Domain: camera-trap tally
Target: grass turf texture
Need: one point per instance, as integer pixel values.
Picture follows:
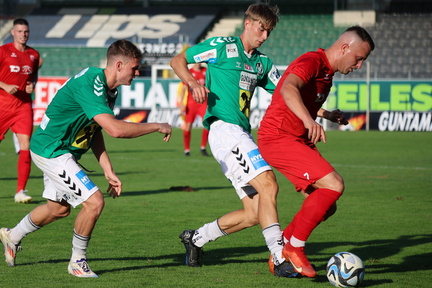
(384, 217)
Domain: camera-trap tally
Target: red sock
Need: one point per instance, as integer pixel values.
(288, 231)
(24, 166)
(312, 212)
(204, 138)
(186, 140)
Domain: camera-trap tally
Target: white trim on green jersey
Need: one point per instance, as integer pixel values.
(68, 125)
(232, 76)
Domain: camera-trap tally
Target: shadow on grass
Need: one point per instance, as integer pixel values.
(212, 257)
(128, 193)
(90, 174)
(372, 253)
(168, 190)
(141, 151)
(15, 178)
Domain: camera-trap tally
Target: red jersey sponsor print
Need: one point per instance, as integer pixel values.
(17, 68)
(315, 71)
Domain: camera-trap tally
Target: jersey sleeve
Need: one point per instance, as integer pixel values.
(271, 79)
(207, 51)
(306, 67)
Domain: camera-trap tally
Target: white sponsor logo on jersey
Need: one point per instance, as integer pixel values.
(274, 75)
(26, 70)
(248, 81)
(44, 122)
(248, 67)
(207, 56)
(14, 68)
(231, 50)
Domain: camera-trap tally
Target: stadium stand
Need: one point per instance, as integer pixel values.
(403, 43)
(68, 61)
(403, 40)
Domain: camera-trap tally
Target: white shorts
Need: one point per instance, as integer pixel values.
(64, 179)
(238, 155)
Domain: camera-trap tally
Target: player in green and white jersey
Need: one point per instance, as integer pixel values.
(234, 69)
(73, 124)
(232, 77)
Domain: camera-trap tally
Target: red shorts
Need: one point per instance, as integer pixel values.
(298, 160)
(193, 109)
(19, 120)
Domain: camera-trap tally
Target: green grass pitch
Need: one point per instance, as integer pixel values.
(384, 216)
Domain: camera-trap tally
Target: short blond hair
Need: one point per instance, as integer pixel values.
(267, 15)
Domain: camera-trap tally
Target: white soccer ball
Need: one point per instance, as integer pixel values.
(345, 269)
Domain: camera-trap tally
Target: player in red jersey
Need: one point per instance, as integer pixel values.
(19, 65)
(288, 134)
(190, 109)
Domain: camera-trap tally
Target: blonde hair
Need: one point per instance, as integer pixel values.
(267, 15)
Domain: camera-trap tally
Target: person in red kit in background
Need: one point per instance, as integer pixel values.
(19, 65)
(288, 133)
(190, 109)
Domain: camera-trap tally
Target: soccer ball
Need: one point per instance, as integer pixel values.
(345, 269)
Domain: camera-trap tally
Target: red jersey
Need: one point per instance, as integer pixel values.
(315, 71)
(16, 68)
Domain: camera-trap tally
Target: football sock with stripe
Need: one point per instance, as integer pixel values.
(24, 227)
(207, 233)
(273, 237)
(79, 246)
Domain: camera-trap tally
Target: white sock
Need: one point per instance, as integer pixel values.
(79, 246)
(296, 242)
(24, 227)
(207, 233)
(274, 240)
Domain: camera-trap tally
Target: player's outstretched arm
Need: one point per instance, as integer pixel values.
(335, 116)
(122, 129)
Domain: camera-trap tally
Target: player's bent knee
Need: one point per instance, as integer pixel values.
(330, 212)
(95, 203)
(266, 185)
(60, 213)
(251, 223)
(251, 220)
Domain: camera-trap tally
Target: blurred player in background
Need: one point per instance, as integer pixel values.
(234, 69)
(19, 66)
(288, 133)
(190, 109)
(73, 124)
(15, 138)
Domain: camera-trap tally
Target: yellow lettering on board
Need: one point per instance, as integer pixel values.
(400, 97)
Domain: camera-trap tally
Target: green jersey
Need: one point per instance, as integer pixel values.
(68, 125)
(231, 77)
